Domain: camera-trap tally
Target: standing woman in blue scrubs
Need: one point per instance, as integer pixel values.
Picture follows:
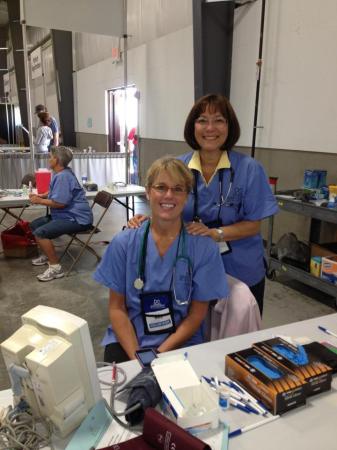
(232, 193)
(160, 277)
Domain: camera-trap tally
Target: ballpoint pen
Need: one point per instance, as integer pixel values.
(247, 398)
(240, 405)
(325, 330)
(246, 395)
(257, 409)
(244, 403)
(239, 431)
(251, 405)
(254, 402)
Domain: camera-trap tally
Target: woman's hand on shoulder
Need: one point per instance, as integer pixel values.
(136, 221)
(199, 229)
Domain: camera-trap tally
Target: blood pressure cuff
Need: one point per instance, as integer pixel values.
(161, 433)
(144, 389)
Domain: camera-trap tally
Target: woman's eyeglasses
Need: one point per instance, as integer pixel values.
(217, 122)
(163, 189)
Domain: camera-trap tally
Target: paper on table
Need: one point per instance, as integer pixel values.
(114, 435)
(216, 439)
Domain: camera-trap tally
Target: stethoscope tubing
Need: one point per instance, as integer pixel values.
(142, 264)
(222, 199)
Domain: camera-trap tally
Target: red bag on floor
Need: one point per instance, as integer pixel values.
(18, 241)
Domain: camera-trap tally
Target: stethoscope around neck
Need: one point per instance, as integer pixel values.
(140, 280)
(223, 199)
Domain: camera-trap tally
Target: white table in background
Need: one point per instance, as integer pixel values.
(118, 192)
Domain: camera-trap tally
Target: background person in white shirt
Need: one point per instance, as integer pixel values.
(44, 134)
(55, 142)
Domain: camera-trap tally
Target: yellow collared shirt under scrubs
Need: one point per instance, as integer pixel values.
(119, 269)
(249, 198)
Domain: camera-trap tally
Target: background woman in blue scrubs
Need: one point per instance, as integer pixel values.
(232, 194)
(160, 277)
(69, 212)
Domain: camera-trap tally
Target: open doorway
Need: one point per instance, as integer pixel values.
(123, 118)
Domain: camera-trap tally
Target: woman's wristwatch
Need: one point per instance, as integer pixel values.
(220, 234)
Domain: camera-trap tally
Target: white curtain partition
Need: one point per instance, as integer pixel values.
(100, 168)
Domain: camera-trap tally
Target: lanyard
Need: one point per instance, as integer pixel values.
(140, 280)
(222, 200)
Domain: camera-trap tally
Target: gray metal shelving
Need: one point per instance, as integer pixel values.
(318, 215)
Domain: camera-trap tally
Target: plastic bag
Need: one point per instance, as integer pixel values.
(290, 250)
(18, 241)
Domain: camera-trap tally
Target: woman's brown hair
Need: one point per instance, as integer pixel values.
(215, 103)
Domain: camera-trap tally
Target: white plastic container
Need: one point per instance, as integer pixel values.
(191, 403)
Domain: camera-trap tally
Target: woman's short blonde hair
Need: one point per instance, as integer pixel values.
(174, 167)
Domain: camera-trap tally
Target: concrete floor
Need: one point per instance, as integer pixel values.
(285, 302)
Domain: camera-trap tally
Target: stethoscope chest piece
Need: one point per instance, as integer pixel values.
(138, 283)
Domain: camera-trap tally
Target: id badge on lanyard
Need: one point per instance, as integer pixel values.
(157, 312)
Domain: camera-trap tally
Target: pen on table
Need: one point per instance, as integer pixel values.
(234, 394)
(253, 402)
(239, 431)
(254, 407)
(325, 330)
(239, 405)
(246, 395)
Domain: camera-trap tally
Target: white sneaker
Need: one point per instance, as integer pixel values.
(50, 274)
(40, 261)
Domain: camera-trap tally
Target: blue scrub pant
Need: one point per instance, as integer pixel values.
(258, 291)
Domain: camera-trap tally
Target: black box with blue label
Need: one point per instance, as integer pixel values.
(278, 388)
(308, 366)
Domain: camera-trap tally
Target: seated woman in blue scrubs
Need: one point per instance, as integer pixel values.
(232, 193)
(161, 278)
(69, 212)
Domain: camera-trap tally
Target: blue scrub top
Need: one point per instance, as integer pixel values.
(65, 189)
(250, 198)
(119, 269)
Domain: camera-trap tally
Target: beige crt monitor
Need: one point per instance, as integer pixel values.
(53, 355)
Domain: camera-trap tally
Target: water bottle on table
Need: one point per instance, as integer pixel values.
(84, 179)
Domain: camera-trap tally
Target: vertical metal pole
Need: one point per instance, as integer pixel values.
(13, 124)
(26, 65)
(8, 133)
(258, 68)
(125, 61)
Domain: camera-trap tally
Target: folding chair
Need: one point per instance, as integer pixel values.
(102, 199)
